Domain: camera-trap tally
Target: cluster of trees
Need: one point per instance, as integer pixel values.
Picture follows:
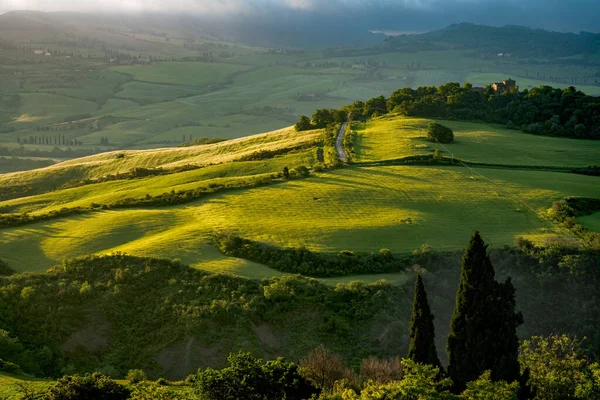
(308, 263)
(49, 140)
(542, 110)
(485, 359)
(321, 119)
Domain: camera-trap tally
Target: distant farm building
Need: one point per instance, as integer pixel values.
(508, 85)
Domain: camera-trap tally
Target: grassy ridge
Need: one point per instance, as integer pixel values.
(124, 161)
(394, 137)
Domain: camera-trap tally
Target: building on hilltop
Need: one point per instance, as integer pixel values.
(508, 85)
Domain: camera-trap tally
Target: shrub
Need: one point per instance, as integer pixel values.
(247, 377)
(152, 390)
(440, 133)
(162, 382)
(95, 386)
(136, 376)
(323, 368)
(380, 371)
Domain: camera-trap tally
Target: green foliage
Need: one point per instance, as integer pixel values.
(250, 378)
(154, 391)
(418, 382)
(542, 110)
(95, 386)
(421, 330)
(440, 133)
(305, 262)
(146, 305)
(136, 376)
(304, 124)
(483, 328)
(565, 213)
(559, 368)
(484, 388)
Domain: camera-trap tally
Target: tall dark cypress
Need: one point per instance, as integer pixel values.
(421, 330)
(483, 328)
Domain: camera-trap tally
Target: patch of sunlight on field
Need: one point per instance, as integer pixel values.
(9, 385)
(99, 165)
(359, 209)
(239, 173)
(27, 118)
(394, 137)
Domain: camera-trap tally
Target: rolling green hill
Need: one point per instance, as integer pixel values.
(366, 206)
(202, 82)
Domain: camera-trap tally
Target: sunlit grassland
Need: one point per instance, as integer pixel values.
(239, 174)
(357, 208)
(9, 384)
(103, 164)
(395, 137)
(182, 73)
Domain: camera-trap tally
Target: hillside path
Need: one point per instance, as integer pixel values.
(339, 143)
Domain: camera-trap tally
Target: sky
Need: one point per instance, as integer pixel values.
(393, 15)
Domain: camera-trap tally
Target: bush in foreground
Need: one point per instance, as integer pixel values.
(250, 378)
(95, 386)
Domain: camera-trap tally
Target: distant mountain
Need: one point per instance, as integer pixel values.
(519, 41)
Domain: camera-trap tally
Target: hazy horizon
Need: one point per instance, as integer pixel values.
(374, 15)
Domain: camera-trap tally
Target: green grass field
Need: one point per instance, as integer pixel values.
(356, 208)
(44, 108)
(363, 209)
(591, 222)
(394, 137)
(10, 385)
(182, 73)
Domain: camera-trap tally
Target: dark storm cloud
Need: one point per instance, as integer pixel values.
(397, 15)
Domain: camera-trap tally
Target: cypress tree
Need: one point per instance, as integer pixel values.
(421, 330)
(483, 327)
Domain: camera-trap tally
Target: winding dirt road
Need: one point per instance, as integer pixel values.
(339, 143)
